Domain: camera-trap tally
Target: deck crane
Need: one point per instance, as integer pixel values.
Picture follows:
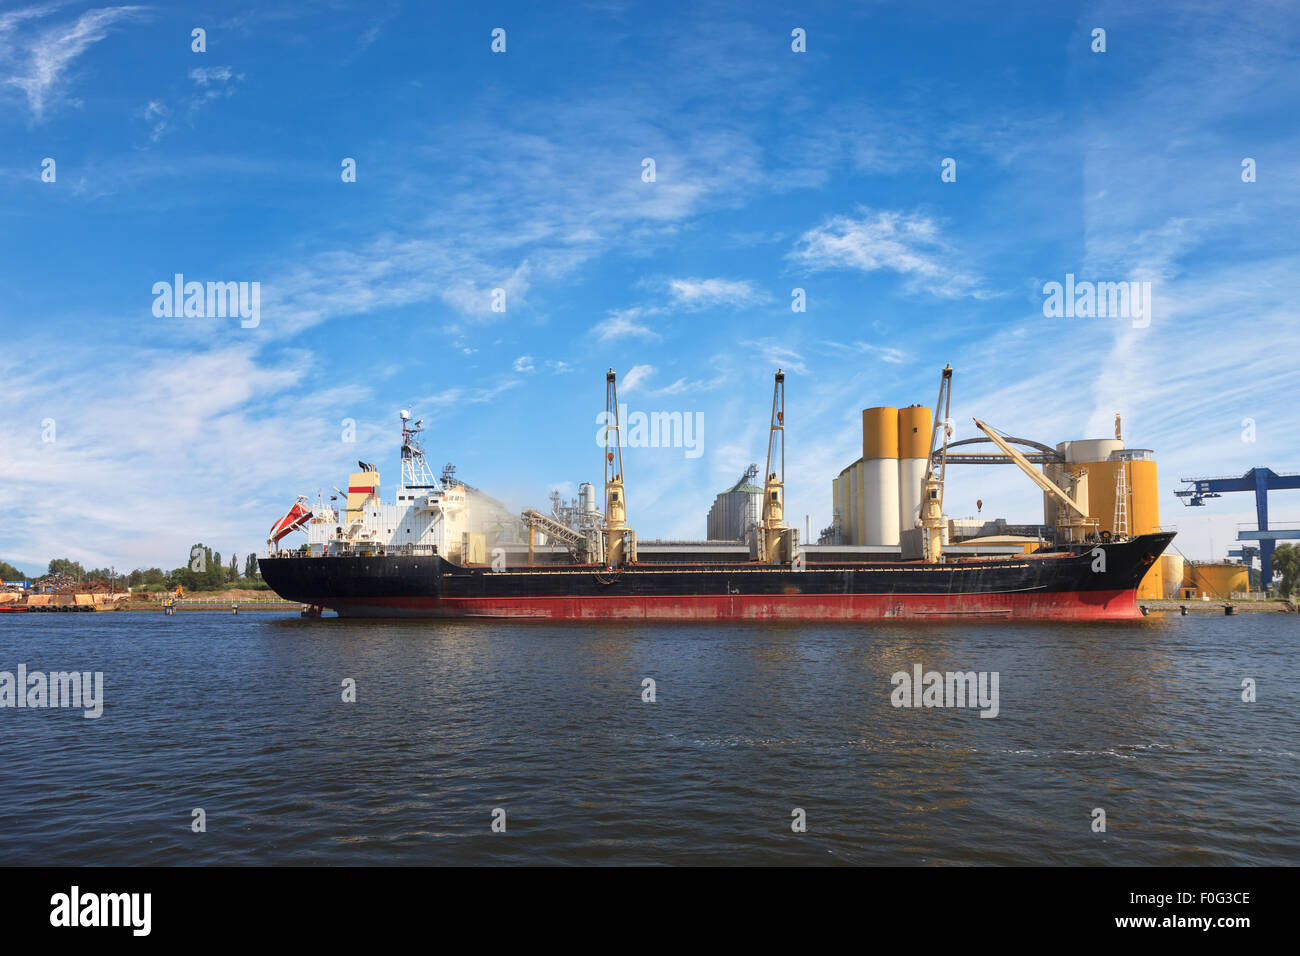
(620, 541)
(776, 542)
(1075, 522)
(931, 517)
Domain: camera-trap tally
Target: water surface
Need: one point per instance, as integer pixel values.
(243, 717)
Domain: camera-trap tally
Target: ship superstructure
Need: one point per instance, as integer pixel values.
(427, 515)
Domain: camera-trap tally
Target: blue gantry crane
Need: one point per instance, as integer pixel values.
(1261, 481)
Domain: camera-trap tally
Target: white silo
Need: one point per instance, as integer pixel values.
(859, 505)
(880, 476)
(913, 455)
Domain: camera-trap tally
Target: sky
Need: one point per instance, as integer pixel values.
(504, 242)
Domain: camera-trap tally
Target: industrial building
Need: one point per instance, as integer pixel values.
(877, 499)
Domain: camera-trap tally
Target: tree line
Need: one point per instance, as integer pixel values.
(203, 570)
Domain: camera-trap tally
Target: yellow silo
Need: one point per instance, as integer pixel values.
(880, 501)
(1146, 496)
(1142, 503)
(1216, 581)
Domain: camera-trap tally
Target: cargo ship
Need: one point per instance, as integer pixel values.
(442, 548)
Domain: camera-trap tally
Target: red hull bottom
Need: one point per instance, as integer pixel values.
(1060, 606)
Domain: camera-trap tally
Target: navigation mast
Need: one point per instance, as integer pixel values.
(415, 470)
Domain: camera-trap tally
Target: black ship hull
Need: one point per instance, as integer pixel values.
(1092, 584)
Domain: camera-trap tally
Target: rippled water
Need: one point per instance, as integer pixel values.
(243, 717)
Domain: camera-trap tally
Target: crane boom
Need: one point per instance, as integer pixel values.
(1036, 476)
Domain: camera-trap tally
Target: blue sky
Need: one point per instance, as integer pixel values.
(522, 171)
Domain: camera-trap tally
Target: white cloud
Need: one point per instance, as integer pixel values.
(156, 113)
(694, 294)
(883, 352)
(161, 436)
(685, 386)
(204, 75)
(622, 323)
(777, 355)
(51, 51)
(636, 376)
(524, 363)
(893, 241)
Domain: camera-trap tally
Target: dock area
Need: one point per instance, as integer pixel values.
(1249, 606)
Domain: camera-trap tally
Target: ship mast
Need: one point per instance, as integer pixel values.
(415, 470)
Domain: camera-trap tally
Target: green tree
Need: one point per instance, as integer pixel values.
(250, 567)
(193, 573)
(203, 571)
(65, 566)
(1286, 561)
(216, 575)
(9, 573)
(232, 573)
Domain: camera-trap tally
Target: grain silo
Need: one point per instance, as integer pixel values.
(880, 502)
(1215, 581)
(737, 510)
(1103, 460)
(859, 472)
(846, 503)
(1172, 569)
(913, 456)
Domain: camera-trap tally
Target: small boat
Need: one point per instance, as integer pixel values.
(11, 609)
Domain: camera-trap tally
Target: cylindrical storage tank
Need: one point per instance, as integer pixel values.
(1144, 517)
(1152, 585)
(880, 501)
(852, 475)
(835, 502)
(1093, 449)
(913, 454)
(1102, 476)
(846, 503)
(1171, 568)
(859, 510)
(1217, 581)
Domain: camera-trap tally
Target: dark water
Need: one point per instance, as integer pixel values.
(244, 718)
